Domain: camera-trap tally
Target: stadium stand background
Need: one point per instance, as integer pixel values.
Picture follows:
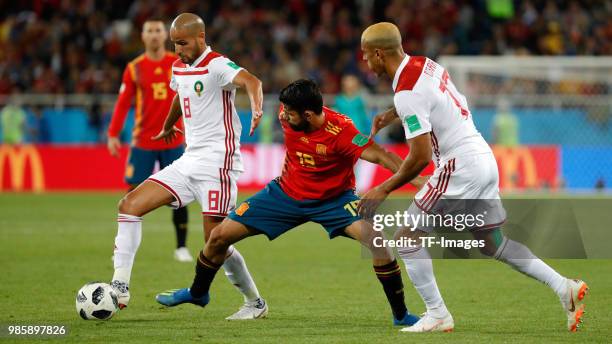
(61, 61)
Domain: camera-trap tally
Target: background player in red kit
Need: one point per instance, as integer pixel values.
(317, 184)
(146, 79)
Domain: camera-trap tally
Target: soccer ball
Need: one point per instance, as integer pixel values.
(96, 301)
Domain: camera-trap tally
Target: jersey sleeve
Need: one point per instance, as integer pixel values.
(413, 109)
(173, 83)
(351, 143)
(124, 102)
(224, 70)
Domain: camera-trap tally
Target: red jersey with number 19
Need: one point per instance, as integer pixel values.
(147, 81)
(319, 165)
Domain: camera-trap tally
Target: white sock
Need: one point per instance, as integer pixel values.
(129, 235)
(420, 269)
(238, 274)
(520, 257)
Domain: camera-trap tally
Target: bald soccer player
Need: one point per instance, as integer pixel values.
(439, 127)
(205, 82)
(146, 79)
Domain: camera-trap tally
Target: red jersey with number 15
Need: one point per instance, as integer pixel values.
(319, 165)
(147, 82)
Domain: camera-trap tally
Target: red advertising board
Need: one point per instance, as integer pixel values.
(90, 168)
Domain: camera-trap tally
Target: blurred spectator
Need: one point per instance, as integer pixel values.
(505, 126)
(96, 120)
(600, 184)
(350, 102)
(13, 118)
(37, 127)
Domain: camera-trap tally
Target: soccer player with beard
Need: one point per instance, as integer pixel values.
(317, 184)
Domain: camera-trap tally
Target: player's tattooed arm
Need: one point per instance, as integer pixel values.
(169, 131)
(380, 156)
(382, 120)
(389, 160)
(253, 87)
(411, 167)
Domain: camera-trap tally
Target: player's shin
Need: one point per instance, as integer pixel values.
(180, 219)
(390, 276)
(520, 257)
(127, 241)
(238, 274)
(205, 273)
(420, 269)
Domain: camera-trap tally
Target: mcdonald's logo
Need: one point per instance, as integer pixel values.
(515, 162)
(16, 158)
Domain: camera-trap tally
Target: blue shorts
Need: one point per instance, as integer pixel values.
(272, 212)
(141, 162)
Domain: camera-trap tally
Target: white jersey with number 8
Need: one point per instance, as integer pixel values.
(212, 125)
(209, 169)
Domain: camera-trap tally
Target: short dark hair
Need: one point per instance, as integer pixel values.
(155, 19)
(152, 20)
(302, 95)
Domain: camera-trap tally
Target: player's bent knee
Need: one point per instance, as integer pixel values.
(130, 206)
(488, 250)
(492, 240)
(406, 232)
(217, 240)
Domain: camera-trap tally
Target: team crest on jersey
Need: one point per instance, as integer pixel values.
(198, 87)
(242, 209)
(158, 71)
(321, 149)
(129, 171)
(304, 139)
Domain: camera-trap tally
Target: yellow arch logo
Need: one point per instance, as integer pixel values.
(511, 159)
(16, 158)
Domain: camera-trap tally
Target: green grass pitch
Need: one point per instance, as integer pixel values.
(318, 290)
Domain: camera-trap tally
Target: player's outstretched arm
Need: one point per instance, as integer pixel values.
(382, 120)
(411, 167)
(168, 132)
(379, 155)
(376, 154)
(253, 87)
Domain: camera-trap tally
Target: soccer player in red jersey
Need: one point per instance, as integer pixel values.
(146, 79)
(317, 184)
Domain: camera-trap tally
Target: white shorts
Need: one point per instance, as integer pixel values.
(214, 188)
(462, 186)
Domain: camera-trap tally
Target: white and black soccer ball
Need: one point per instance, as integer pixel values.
(97, 301)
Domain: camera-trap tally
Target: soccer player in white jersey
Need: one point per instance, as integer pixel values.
(438, 125)
(205, 82)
